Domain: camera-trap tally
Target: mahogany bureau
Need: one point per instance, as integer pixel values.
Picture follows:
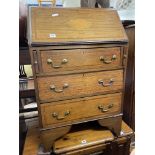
(79, 60)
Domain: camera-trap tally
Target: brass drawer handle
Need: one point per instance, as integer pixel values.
(52, 87)
(50, 62)
(106, 61)
(106, 84)
(56, 115)
(105, 109)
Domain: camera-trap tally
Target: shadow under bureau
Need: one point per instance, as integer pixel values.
(79, 59)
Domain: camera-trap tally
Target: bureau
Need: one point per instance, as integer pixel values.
(79, 61)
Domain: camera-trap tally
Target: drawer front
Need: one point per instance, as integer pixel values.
(82, 141)
(79, 85)
(80, 59)
(93, 150)
(78, 110)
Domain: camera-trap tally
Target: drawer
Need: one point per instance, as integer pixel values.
(79, 85)
(80, 109)
(79, 59)
(83, 142)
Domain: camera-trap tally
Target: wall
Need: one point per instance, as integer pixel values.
(72, 3)
(67, 3)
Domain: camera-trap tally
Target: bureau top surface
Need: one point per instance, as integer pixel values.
(54, 26)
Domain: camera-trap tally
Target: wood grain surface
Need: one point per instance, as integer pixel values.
(74, 25)
(129, 98)
(32, 141)
(83, 109)
(97, 149)
(48, 137)
(73, 141)
(112, 123)
(79, 85)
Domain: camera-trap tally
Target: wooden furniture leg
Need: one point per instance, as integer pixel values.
(121, 146)
(49, 136)
(113, 123)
